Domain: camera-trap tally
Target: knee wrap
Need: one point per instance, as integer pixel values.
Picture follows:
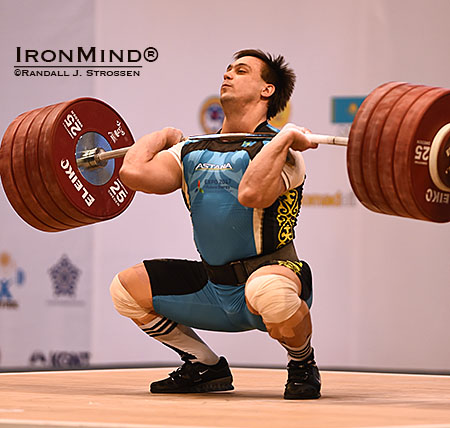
(123, 302)
(274, 297)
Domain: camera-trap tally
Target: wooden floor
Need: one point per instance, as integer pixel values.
(120, 398)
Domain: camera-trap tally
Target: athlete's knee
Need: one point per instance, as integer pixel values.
(274, 297)
(124, 302)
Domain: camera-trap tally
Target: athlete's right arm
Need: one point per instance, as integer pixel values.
(150, 169)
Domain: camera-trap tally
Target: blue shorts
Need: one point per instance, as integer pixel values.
(183, 293)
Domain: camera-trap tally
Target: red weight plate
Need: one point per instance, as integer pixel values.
(29, 196)
(369, 156)
(357, 140)
(47, 169)
(440, 159)
(421, 197)
(74, 125)
(9, 185)
(34, 174)
(387, 146)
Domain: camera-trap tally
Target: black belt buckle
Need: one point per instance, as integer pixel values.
(240, 271)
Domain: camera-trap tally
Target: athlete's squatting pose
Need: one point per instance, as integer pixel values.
(244, 198)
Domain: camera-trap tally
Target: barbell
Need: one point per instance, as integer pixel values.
(60, 164)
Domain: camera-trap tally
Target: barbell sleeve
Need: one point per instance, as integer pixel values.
(112, 154)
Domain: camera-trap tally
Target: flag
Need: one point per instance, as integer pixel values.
(344, 108)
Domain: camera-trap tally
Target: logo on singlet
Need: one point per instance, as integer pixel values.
(213, 167)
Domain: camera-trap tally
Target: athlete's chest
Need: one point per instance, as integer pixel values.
(215, 165)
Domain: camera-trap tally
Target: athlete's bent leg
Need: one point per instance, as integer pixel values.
(132, 297)
(273, 292)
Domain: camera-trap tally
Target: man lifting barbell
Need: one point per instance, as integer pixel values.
(60, 166)
(244, 200)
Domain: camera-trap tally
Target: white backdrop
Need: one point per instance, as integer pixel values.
(51, 324)
(382, 284)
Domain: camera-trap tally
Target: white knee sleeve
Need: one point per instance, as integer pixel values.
(274, 297)
(123, 302)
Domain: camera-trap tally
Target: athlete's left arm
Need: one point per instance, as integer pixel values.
(262, 182)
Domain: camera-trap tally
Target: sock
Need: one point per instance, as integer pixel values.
(301, 353)
(181, 339)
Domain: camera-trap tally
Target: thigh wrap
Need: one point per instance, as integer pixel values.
(124, 302)
(274, 297)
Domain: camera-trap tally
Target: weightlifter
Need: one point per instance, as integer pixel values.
(244, 199)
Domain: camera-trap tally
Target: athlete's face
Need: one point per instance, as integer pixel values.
(243, 82)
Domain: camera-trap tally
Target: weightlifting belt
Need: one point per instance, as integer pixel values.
(238, 271)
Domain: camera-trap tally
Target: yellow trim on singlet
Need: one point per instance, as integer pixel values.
(287, 216)
(296, 267)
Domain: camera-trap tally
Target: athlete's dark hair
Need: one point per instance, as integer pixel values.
(276, 72)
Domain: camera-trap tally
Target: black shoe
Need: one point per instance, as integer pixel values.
(303, 380)
(196, 377)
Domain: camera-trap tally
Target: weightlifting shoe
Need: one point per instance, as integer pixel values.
(303, 380)
(196, 377)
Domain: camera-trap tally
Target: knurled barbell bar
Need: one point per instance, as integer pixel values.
(60, 164)
(98, 157)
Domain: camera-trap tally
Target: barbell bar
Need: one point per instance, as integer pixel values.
(60, 164)
(97, 157)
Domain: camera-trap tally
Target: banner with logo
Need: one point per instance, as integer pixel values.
(45, 278)
(45, 304)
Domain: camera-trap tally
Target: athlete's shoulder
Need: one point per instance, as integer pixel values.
(267, 128)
